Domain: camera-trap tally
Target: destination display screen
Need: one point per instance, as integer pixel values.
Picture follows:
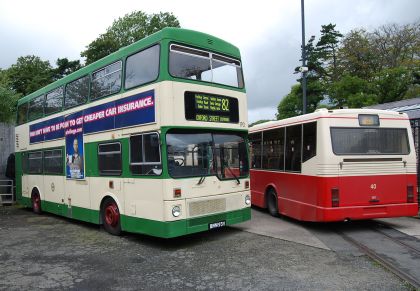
(211, 108)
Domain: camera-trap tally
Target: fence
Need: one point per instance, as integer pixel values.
(7, 190)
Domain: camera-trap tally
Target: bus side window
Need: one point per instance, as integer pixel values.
(106, 81)
(309, 141)
(76, 92)
(109, 159)
(53, 162)
(293, 148)
(36, 108)
(142, 67)
(145, 154)
(24, 163)
(255, 150)
(273, 149)
(54, 101)
(35, 163)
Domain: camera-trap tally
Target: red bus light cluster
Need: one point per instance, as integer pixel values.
(410, 194)
(335, 197)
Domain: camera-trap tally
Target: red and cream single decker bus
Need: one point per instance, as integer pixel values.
(334, 165)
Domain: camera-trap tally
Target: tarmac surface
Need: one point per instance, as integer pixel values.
(49, 252)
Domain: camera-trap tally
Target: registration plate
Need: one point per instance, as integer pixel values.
(217, 224)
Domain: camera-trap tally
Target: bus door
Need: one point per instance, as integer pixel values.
(372, 181)
(54, 179)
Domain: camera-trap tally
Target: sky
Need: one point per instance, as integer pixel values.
(268, 33)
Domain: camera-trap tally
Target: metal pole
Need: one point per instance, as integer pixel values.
(304, 101)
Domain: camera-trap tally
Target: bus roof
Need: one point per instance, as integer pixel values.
(319, 113)
(185, 36)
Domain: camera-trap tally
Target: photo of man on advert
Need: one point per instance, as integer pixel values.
(74, 156)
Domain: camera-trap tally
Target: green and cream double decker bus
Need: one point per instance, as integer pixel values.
(150, 139)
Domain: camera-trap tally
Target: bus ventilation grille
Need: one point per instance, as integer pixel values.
(209, 41)
(205, 207)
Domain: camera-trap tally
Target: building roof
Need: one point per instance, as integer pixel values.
(409, 106)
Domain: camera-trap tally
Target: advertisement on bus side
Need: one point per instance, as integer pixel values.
(74, 146)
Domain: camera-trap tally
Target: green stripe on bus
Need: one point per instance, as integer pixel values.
(163, 229)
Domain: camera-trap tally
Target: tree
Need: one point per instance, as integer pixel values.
(291, 104)
(357, 56)
(327, 48)
(127, 30)
(352, 91)
(29, 74)
(8, 99)
(392, 84)
(65, 67)
(397, 45)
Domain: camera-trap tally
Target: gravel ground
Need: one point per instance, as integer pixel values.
(50, 252)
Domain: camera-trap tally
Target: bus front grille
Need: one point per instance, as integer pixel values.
(204, 207)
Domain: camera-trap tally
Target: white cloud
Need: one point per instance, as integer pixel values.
(268, 32)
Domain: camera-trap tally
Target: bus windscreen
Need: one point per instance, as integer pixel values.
(369, 141)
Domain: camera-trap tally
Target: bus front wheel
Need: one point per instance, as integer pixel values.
(111, 217)
(272, 203)
(36, 202)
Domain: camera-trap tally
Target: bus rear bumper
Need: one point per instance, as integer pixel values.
(365, 212)
(170, 229)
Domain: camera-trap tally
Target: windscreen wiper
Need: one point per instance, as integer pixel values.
(233, 174)
(202, 178)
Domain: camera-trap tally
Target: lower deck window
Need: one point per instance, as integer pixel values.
(53, 162)
(145, 154)
(109, 159)
(35, 163)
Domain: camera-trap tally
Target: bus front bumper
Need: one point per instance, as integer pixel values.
(170, 229)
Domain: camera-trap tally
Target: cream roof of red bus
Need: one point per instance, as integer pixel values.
(327, 113)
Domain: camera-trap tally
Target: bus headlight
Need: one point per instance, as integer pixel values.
(176, 211)
(248, 199)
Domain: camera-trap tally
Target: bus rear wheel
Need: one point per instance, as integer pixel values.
(36, 203)
(111, 217)
(272, 205)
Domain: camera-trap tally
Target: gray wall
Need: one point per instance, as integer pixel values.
(7, 145)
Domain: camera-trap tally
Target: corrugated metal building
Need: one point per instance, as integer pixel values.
(7, 145)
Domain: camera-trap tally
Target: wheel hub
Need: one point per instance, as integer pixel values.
(112, 215)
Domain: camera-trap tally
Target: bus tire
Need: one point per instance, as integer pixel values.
(111, 218)
(36, 202)
(272, 205)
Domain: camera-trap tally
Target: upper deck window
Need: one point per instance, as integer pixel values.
(36, 108)
(142, 67)
(106, 81)
(77, 92)
(369, 141)
(54, 100)
(195, 64)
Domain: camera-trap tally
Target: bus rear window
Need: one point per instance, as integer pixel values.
(369, 141)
